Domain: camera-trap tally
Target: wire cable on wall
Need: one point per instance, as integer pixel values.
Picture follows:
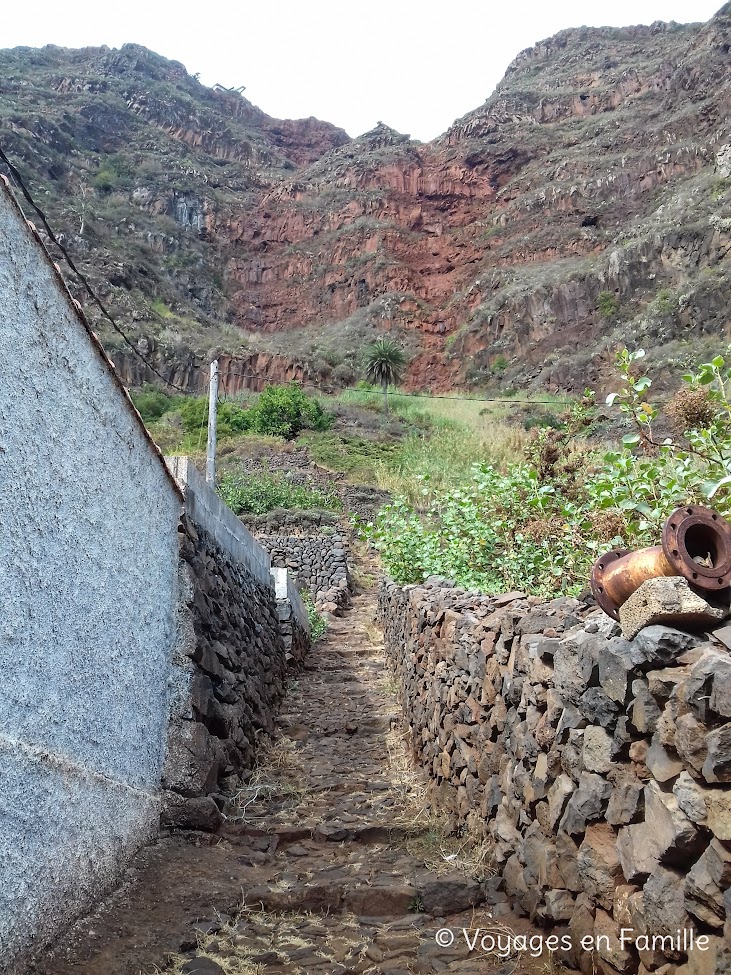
(17, 178)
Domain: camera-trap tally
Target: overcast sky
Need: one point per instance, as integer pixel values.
(415, 65)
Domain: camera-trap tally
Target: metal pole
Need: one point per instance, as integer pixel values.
(212, 401)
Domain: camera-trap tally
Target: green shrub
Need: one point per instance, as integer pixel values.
(151, 402)
(280, 411)
(105, 180)
(539, 526)
(649, 477)
(283, 411)
(318, 623)
(260, 493)
(116, 172)
(500, 532)
(230, 418)
(666, 302)
(608, 304)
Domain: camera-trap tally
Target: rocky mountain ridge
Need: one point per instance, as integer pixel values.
(586, 203)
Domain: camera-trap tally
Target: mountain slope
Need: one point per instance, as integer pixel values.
(586, 203)
(130, 157)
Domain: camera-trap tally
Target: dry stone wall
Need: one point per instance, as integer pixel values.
(318, 562)
(599, 768)
(241, 632)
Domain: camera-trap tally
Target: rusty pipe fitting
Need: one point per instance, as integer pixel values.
(696, 544)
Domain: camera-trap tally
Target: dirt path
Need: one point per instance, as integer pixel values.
(329, 864)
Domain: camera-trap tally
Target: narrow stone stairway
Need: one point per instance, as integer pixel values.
(329, 862)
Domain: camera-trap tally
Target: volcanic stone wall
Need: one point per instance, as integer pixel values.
(239, 637)
(318, 562)
(599, 768)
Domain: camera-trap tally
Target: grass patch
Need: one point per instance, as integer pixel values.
(357, 457)
(160, 309)
(260, 493)
(449, 435)
(280, 775)
(425, 464)
(477, 414)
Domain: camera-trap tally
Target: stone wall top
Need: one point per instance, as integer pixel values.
(207, 511)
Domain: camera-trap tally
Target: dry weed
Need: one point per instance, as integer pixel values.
(279, 774)
(430, 836)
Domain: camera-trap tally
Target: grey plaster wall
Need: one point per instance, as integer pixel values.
(88, 576)
(207, 512)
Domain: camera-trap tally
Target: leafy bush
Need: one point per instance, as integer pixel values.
(151, 402)
(260, 493)
(540, 525)
(666, 302)
(280, 411)
(542, 418)
(105, 180)
(283, 411)
(230, 418)
(608, 304)
(114, 173)
(501, 532)
(649, 477)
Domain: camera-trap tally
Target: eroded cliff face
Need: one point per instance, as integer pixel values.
(586, 203)
(592, 169)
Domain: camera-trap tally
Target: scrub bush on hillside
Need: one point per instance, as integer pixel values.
(539, 525)
(280, 411)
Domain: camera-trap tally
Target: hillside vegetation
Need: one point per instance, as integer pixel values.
(505, 507)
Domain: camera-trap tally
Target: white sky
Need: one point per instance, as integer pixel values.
(414, 65)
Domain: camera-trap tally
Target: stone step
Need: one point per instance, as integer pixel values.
(327, 832)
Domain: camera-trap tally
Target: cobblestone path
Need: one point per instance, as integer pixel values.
(329, 863)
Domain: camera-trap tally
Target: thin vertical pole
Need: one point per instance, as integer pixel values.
(212, 402)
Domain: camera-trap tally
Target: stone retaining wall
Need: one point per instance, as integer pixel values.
(241, 630)
(318, 562)
(599, 768)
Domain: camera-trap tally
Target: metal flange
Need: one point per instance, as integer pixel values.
(697, 543)
(601, 567)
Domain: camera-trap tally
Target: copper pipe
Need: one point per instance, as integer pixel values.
(696, 544)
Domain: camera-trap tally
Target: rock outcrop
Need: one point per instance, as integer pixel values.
(585, 203)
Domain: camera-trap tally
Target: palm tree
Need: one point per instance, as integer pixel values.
(385, 365)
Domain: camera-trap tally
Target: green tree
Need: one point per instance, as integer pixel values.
(385, 365)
